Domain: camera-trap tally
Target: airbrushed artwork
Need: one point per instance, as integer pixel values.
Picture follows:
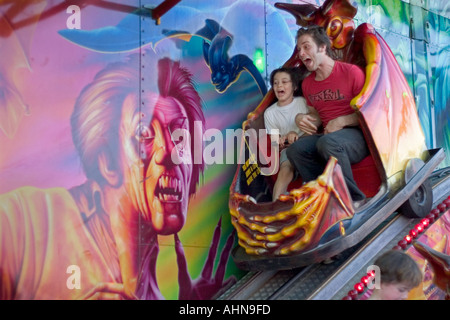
(120, 137)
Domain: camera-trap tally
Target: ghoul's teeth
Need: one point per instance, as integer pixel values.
(168, 182)
(169, 188)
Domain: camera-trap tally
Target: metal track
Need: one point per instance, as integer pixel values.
(332, 281)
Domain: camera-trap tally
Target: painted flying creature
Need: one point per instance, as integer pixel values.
(126, 36)
(225, 70)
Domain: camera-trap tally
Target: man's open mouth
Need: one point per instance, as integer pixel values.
(307, 61)
(169, 189)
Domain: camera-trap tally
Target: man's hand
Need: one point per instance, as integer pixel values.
(307, 123)
(334, 125)
(341, 122)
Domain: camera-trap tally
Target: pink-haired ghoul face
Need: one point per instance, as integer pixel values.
(157, 169)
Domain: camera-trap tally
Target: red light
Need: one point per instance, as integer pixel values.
(371, 273)
(413, 233)
(352, 293)
(359, 287)
(419, 228)
(403, 243)
(425, 222)
(442, 207)
(365, 280)
(408, 238)
(431, 217)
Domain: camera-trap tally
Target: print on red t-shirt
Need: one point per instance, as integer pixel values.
(331, 97)
(326, 95)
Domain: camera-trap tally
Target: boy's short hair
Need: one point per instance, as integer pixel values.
(398, 267)
(297, 75)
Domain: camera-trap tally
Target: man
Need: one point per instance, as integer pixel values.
(328, 91)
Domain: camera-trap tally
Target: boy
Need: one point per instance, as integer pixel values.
(281, 116)
(399, 275)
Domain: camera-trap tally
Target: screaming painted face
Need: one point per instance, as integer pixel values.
(157, 167)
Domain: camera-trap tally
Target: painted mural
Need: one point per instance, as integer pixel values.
(114, 178)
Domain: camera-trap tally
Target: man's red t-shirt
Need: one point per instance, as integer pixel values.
(331, 97)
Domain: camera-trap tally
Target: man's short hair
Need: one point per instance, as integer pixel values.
(319, 35)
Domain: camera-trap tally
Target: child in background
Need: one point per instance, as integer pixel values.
(281, 116)
(399, 275)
